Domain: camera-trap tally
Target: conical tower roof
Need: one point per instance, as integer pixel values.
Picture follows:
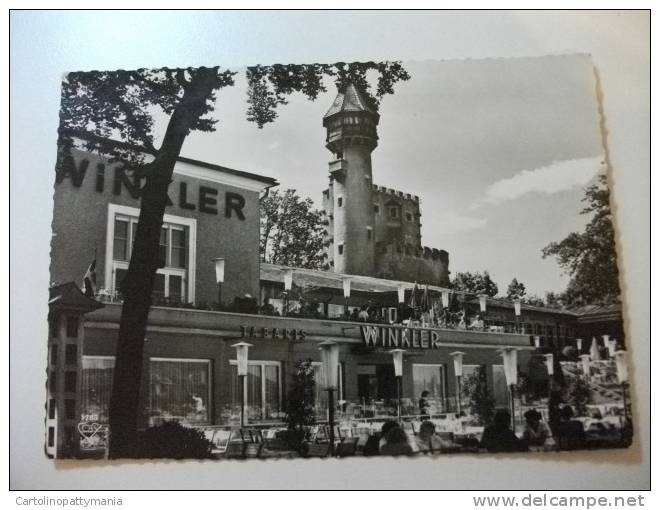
(351, 100)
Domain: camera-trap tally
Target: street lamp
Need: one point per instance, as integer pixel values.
(578, 344)
(397, 356)
(330, 360)
(458, 372)
(242, 369)
(517, 308)
(219, 276)
(621, 358)
(346, 285)
(510, 361)
(288, 283)
(537, 341)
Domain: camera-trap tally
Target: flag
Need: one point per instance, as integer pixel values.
(425, 304)
(89, 281)
(413, 297)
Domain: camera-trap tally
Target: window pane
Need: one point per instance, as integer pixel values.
(253, 403)
(71, 354)
(272, 389)
(120, 246)
(70, 380)
(430, 378)
(176, 288)
(179, 390)
(96, 388)
(178, 248)
(162, 249)
(53, 354)
(69, 408)
(120, 274)
(158, 292)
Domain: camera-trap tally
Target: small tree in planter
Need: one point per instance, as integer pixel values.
(579, 396)
(480, 399)
(300, 403)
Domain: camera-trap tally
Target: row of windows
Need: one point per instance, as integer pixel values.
(181, 389)
(393, 210)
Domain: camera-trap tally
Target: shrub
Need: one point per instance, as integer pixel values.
(173, 440)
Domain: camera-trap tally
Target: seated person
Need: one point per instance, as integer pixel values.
(570, 432)
(372, 446)
(428, 441)
(498, 437)
(396, 442)
(536, 431)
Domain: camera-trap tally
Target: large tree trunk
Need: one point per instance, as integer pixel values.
(138, 284)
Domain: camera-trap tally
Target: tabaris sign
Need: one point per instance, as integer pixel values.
(392, 337)
(296, 335)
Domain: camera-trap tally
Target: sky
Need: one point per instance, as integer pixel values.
(498, 150)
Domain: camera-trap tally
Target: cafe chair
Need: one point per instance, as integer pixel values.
(347, 447)
(318, 450)
(235, 450)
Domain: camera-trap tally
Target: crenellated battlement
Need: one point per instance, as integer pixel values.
(395, 193)
(406, 262)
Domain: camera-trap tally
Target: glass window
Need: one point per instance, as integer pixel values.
(96, 388)
(52, 406)
(376, 209)
(70, 381)
(369, 233)
(340, 202)
(52, 381)
(172, 251)
(71, 354)
(162, 246)
(394, 212)
(53, 354)
(409, 217)
(340, 249)
(180, 390)
(263, 390)
(430, 378)
(120, 245)
(178, 257)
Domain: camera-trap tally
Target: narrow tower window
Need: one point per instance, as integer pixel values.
(340, 201)
(369, 233)
(340, 249)
(376, 209)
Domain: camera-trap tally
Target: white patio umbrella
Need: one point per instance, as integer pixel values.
(594, 352)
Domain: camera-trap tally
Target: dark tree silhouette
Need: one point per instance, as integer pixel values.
(515, 290)
(475, 283)
(292, 231)
(99, 109)
(589, 257)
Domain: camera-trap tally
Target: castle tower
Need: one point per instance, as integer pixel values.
(351, 137)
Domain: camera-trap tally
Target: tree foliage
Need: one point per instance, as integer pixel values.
(269, 86)
(292, 231)
(589, 257)
(476, 283)
(515, 290)
(480, 399)
(300, 402)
